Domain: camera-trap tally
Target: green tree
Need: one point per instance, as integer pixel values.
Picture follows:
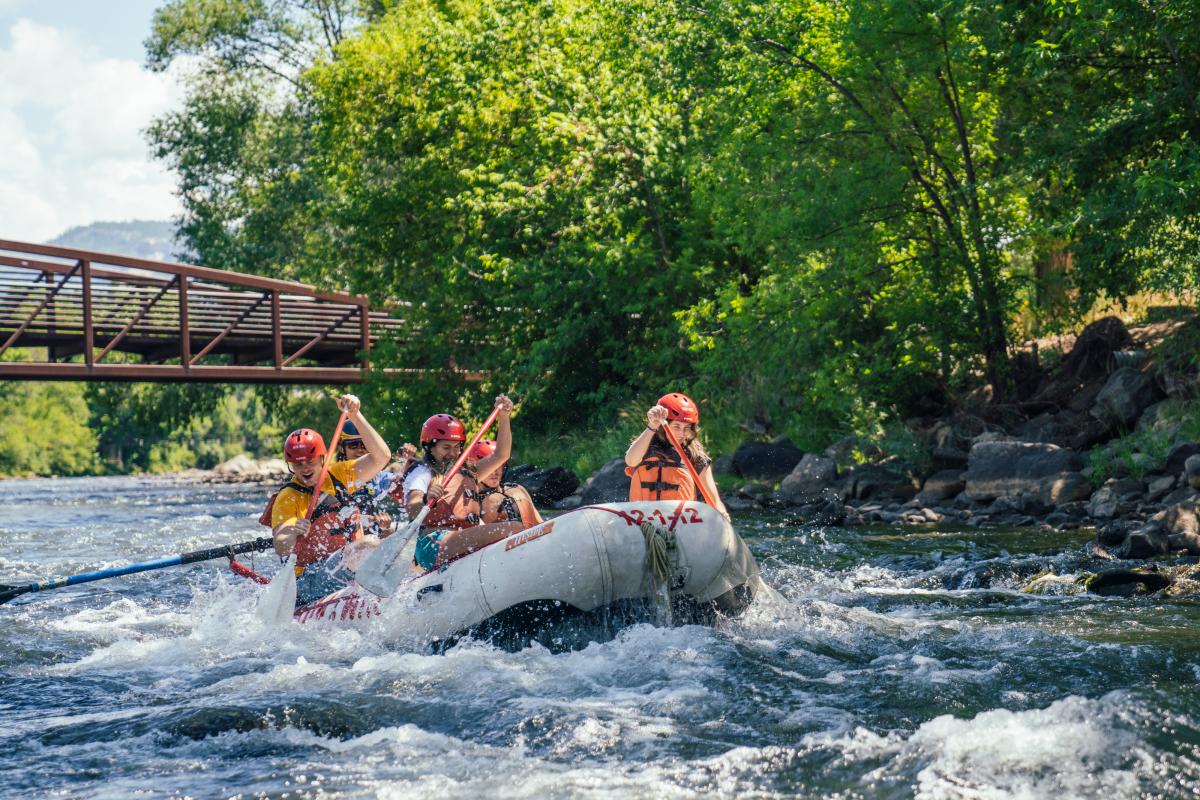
(519, 192)
(857, 155)
(44, 430)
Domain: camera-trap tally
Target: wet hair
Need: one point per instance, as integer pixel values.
(436, 466)
(695, 450)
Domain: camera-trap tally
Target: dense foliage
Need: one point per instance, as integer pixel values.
(822, 214)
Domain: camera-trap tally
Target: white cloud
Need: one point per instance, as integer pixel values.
(72, 149)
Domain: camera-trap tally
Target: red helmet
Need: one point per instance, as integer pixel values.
(304, 444)
(680, 407)
(482, 449)
(442, 426)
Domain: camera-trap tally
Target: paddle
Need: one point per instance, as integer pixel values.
(382, 571)
(276, 603)
(227, 551)
(687, 462)
(316, 495)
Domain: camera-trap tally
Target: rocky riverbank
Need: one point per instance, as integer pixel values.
(1097, 437)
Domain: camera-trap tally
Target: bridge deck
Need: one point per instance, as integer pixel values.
(76, 310)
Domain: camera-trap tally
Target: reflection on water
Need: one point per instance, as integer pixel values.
(894, 663)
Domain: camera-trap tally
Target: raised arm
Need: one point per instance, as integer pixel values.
(378, 455)
(484, 467)
(655, 417)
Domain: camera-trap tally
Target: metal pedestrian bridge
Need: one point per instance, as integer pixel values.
(68, 314)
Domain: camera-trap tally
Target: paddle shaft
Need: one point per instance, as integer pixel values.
(316, 495)
(227, 551)
(374, 574)
(687, 462)
(462, 457)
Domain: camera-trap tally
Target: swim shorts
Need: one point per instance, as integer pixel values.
(428, 546)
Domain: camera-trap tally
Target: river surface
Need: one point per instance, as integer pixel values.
(898, 663)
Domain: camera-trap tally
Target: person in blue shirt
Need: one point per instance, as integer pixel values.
(372, 497)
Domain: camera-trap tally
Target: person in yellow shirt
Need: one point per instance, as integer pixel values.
(322, 558)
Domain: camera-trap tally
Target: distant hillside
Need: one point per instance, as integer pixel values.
(151, 239)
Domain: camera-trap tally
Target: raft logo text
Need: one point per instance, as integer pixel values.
(529, 536)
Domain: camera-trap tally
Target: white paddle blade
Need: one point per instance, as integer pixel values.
(278, 601)
(384, 569)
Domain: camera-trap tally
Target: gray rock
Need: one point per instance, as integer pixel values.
(754, 491)
(1128, 582)
(574, 501)
(1183, 494)
(949, 458)
(241, 464)
(736, 503)
(1125, 395)
(1191, 471)
(1145, 542)
(550, 485)
(1179, 519)
(1160, 486)
(1114, 533)
(1188, 542)
(1126, 488)
(941, 486)
(723, 465)
(878, 482)
(610, 484)
(1045, 471)
(770, 460)
(1104, 503)
(808, 480)
(1177, 458)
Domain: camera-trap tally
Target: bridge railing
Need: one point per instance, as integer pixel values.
(174, 321)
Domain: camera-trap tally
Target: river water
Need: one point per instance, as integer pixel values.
(898, 663)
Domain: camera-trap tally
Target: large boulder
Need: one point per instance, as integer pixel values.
(550, 485)
(941, 486)
(809, 478)
(1180, 453)
(241, 464)
(1125, 395)
(609, 484)
(878, 482)
(1148, 541)
(1191, 471)
(769, 460)
(1092, 355)
(1043, 471)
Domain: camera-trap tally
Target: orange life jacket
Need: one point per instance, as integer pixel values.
(660, 476)
(336, 522)
(459, 507)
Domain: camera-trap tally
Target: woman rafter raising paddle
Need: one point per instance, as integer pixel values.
(318, 533)
(657, 469)
(453, 526)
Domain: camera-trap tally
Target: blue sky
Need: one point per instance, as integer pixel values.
(74, 100)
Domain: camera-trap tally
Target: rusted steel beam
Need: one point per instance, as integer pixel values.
(318, 338)
(25, 370)
(228, 328)
(60, 269)
(185, 338)
(129, 326)
(88, 331)
(364, 324)
(174, 268)
(45, 301)
(277, 328)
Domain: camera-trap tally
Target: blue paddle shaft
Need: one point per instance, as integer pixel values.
(230, 550)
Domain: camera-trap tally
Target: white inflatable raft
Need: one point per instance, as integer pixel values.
(584, 561)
